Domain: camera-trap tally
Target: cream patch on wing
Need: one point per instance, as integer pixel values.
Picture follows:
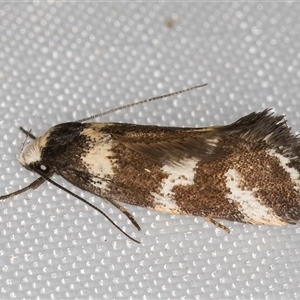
(248, 204)
(179, 174)
(284, 161)
(98, 157)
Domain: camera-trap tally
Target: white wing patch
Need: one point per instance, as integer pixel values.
(182, 174)
(97, 159)
(284, 161)
(249, 205)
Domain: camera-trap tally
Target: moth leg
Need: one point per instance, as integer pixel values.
(33, 185)
(216, 223)
(126, 213)
(28, 133)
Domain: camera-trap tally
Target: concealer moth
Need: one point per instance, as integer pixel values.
(247, 171)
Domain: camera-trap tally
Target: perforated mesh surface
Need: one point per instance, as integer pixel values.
(65, 61)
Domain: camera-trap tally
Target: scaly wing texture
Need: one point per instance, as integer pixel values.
(247, 171)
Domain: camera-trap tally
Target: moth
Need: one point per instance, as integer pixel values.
(247, 171)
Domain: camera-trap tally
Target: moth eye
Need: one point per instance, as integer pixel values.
(42, 167)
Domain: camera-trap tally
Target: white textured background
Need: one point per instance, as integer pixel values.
(64, 61)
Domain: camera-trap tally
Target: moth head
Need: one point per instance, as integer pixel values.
(30, 155)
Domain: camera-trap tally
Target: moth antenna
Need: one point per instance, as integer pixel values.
(141, 102)
(28, 133)
(86, 202)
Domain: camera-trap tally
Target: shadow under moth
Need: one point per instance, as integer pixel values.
(247, 171)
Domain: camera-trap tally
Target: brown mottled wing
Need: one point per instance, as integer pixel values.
(167, 144)
(170, 144)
